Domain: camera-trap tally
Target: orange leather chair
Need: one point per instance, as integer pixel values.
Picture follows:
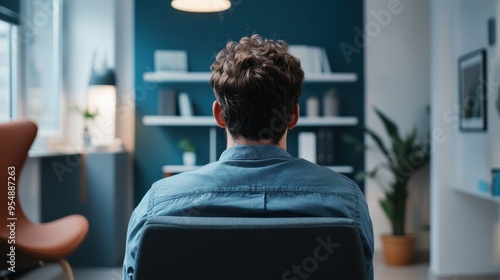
(34, 242)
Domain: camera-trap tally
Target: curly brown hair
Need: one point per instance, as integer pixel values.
(257, 83)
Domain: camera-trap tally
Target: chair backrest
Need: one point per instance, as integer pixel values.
(250, 248)
(16, 138)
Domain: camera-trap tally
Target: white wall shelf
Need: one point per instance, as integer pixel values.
(478, 194)
(209, 121)
(331, 77)
(173, 169)
(177, 77)
(204, 77)
(327, 121)
(178, 121)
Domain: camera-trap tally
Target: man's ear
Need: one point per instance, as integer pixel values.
(294, 119)
(217, 112)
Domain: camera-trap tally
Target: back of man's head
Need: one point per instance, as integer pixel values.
(257, 83)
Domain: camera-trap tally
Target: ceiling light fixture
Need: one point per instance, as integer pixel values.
(201, 6)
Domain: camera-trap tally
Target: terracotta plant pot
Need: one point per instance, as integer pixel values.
(398, 250)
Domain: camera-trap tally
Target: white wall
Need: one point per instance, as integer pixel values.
(125, 106)
(124, 61)
(465, 236)
(89, 26)
(104, 28)
(397, 63)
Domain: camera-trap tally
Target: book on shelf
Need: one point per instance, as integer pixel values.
(313, 59)
(307, 146)
(325, 146)
(329, 147)
(167, 102)
(185, 105)
(321, 153)
(325, 64)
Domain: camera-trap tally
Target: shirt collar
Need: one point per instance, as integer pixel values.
(253, 152)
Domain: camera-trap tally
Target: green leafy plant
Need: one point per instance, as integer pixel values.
(186, 145)
(402, 159)
(86, 113)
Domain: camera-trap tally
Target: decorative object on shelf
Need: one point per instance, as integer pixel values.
(102, 99)
(312, 106)
(330, 103)
(171, 61)
(189, 155)
(88, 118)
(201, 6)
(472, 91)
(495, 182)
(484, 187)
(403, 159)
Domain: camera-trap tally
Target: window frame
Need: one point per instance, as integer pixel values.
(13, 75)
(28, 24)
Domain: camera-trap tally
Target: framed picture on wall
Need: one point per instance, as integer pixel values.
(472, 91)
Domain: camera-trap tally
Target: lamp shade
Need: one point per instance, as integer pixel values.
(106, 77)
(201, 6)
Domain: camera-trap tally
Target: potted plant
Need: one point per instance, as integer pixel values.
(402, 158)
(88, 117)
(189, 155)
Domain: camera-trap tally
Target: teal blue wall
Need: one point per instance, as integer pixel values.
(159, 26)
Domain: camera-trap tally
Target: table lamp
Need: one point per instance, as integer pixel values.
(102, 99)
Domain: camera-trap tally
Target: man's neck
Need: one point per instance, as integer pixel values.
(231, 141)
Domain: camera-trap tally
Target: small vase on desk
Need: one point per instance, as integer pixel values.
(189, 158)
(87, 139)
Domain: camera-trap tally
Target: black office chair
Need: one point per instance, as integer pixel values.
(250, 248)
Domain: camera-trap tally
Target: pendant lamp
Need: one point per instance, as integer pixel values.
(201, 6)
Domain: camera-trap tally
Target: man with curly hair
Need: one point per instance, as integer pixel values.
(257, 85)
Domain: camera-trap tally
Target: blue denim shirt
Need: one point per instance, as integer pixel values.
(253, 180)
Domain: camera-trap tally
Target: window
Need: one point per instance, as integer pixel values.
(8, 70)
(41, 44)
(37, 41)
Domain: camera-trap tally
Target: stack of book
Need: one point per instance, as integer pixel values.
(317, 147)
(313, 60)
(171, 103)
